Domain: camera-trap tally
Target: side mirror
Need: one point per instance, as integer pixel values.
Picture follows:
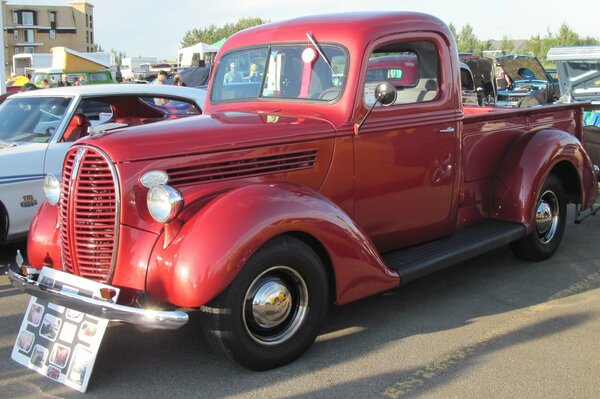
(385, 94)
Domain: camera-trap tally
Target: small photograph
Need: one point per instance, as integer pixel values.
(25, 341)
(50, 327)
(53, 373)
(88, 331)
(58, 308)
(39, 355)
(79, 365)
(74, 316)
(59, 355)
(35, 314)
(47, 281)
(67, 333)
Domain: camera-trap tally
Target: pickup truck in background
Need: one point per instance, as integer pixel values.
(314, 184)
(578, 70)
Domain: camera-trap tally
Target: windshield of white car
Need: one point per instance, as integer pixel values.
(296, 72)
(33, 119)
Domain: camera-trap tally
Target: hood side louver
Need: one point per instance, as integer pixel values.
(243, 167)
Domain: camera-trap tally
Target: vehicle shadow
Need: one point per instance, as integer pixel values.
(141, 363)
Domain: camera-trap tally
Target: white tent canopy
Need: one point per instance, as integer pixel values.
(185, 55)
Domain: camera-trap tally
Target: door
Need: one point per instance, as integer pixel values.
(405, 153)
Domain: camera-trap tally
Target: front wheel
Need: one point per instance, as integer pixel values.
(550, 219)
(273, 310)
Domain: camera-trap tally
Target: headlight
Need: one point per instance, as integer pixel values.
(52, 188)
(164, 203)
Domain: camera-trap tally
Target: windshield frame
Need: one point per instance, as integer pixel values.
(269, 47)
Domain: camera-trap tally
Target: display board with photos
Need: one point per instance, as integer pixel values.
(58, 342)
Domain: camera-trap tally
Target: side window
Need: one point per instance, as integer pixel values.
(412, 67)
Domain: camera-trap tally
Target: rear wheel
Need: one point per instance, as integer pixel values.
(273, 310)
(549, 223)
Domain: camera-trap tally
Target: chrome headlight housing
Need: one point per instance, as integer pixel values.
(52, 188)
(164, 203)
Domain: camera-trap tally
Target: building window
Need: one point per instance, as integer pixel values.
(86, 21)
(91, 22)
(91, 37)
(22, 17)
(16, 35)
(52, 16)
(52, 34)
(28, 50)
(17, 50)
(87, 37)
(27, 18)
(28, 36)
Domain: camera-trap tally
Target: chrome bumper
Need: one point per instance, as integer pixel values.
(165, 320)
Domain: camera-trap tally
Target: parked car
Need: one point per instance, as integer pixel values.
(311, 186)
(579, 80)
(54, 75)
(531, 84)
(38, 127)
(471, 95)
(482, 70)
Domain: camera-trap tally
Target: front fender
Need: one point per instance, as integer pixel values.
(527, 164)
(43, 241)
(214, 244)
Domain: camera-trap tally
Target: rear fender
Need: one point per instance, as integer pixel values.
(527, 164)
(214, 244)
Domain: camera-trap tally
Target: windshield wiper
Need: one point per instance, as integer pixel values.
(319, 50)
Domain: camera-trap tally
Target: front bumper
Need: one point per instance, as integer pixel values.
(106, 309)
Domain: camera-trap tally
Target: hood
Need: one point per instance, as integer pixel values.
(522, 67)
(21, 160)
(208, 133)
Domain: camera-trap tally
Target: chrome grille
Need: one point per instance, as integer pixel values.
(89, 204)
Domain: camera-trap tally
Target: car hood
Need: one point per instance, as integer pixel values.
(21, 160)
(513, 65)
(208, 133)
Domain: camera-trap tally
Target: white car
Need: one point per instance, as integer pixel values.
(38, 127)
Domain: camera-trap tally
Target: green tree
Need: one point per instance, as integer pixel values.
(467, 41)
(214, 33)
(454, 31)
(118, 56)
(506, 45)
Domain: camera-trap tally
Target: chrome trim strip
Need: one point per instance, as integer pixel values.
(156, 319)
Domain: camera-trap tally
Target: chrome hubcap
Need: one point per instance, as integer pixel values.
(546, 217)
(275, 306)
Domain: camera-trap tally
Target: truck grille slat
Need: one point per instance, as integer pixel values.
(89, 214)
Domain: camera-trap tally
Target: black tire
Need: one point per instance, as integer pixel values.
(292, 282)
(549, 220)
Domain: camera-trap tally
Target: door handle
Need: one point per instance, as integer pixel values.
(449, 129)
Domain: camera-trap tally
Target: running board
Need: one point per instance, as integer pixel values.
(420, 260)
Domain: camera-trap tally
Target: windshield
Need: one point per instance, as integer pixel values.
(31, 119)
(286, 72)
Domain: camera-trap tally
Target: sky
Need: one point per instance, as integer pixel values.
(153, 28)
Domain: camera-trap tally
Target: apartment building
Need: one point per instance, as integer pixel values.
(36, 29)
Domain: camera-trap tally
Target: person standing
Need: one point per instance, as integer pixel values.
(161, 78)
(64, 81)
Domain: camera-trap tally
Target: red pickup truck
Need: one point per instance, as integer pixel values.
(306, 183)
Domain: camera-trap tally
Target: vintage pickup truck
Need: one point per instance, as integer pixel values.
(312, 186)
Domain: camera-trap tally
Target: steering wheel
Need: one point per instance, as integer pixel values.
(330, 94)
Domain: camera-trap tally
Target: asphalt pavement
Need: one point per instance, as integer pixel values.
(492, 327)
